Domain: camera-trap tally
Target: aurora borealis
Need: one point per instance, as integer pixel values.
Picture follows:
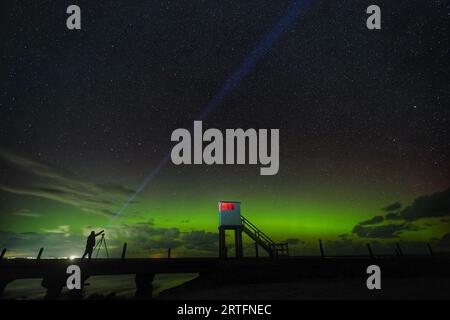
(86, 115)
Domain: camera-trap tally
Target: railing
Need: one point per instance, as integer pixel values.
(264, 240)
(282, 249)
(258, 233)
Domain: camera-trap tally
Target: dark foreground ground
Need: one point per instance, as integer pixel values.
(307, 289)
(412, 277)
(189, 287)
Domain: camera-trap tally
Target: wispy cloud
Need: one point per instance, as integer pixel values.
(49, 182)
(55, 244)
(26, 213)
(64, 230)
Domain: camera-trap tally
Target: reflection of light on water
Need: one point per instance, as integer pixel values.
(122, 286)
(45, 258)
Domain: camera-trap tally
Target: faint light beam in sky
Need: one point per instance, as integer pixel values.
(295, 9)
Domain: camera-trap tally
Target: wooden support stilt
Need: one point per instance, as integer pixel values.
(4, 280)
(144, 285)
(2, 287)
(222, 244)
(54, 284)
(238, 242)
(2, 254)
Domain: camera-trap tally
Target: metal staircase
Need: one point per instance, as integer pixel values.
(274, 249)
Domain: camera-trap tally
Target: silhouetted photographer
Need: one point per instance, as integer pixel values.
(90, 244)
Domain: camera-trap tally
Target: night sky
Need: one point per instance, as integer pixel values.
(86, 114)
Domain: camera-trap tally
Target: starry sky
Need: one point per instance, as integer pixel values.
(87, 114)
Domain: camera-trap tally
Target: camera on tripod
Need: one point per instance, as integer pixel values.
(100, 244)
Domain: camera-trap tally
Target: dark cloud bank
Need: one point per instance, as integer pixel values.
(143, 239)
(399, 219)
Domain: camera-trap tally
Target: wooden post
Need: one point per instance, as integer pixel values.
(431, 250)
(400, 252)
(40, 254)
(370, 250)
(168, 253)
(321, 249)
(256, 250)
(124, 250)
(2, 254)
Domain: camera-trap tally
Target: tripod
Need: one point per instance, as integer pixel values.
(99, 244)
